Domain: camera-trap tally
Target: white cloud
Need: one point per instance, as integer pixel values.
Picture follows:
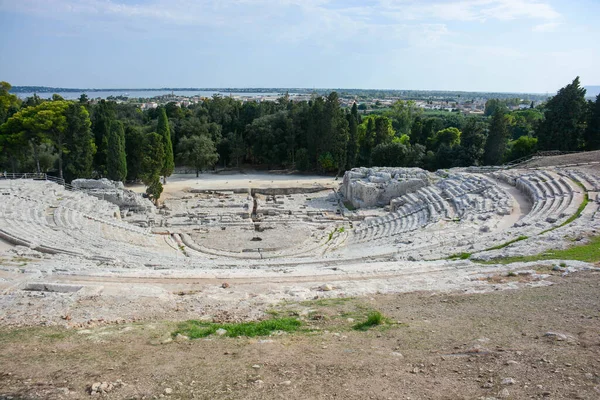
(547, 27)
(326, 22)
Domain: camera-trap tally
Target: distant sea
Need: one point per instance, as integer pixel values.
(146, 94)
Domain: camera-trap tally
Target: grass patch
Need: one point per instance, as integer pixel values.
(330, 236)
(460, 256)
(198, 329)
(349, 206)
(503, 245)
(589, 252)
(375, 318)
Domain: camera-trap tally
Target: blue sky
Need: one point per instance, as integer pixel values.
(481, 45)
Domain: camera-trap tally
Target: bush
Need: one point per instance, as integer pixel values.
(522, 147)
(374, 318)
(326, 162)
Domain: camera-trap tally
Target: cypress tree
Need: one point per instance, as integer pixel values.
(165, 132)
(564, 119)
(102, 118)
(153, 158)
(592, 132)
(116, 160)
(352, 150)
(497, 140)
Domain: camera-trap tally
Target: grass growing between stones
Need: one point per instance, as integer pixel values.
(503, 245)
(460, 256)
(375, 318)
(349, 206)
(589, 252)
(198, 329)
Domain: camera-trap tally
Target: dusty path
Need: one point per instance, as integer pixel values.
(521, 204)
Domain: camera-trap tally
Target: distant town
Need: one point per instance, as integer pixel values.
(368, 100)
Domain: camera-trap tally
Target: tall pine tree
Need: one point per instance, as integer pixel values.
(116, 161)
(497, 140)
(164, 131)
(592, 132)
(564, 119)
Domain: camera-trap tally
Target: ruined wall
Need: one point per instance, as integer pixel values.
(376, 187)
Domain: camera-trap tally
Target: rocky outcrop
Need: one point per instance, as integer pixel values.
(113, 192)
(376, 187)
(97, 184)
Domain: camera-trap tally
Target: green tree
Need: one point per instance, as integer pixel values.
(492, 105)
(237, 148)
(592, 132)
(384, 132)
(153, 160)
(79, 143)
(449, 137)
(302, 161)
(366, 141)
(102, 117)
(336, 132)
(472, 141)
(44, 123)
(164, 131)
(564, 119)
(403, 113)
(390, 155)
(497, 140)
(352, 149)
(522, 147)
(116, 160)
(134, 139)
(197, 151)
(9, 103)
(22, 130)
(326, 162)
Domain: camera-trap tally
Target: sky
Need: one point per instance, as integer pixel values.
(534, 46)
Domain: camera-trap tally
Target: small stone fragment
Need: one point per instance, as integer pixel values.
(508, 381)
(221, 331)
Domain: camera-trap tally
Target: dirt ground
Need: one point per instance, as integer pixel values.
(236, 180)
(535, 343)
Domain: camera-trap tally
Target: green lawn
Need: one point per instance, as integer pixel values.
(199, 329)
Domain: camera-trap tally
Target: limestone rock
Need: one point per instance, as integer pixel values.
(371, 187)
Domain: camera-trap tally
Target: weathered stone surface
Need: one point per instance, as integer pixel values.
(372, 187)
(113, 192)
(96, 184)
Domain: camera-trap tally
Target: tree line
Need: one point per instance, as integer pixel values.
(121, 142)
